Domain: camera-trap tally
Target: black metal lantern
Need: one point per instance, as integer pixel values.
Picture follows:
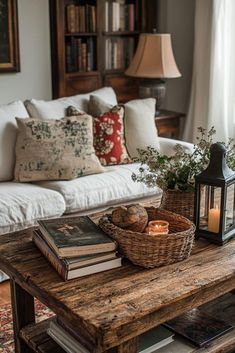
(214, 212)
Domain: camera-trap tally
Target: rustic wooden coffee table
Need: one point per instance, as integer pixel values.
(112, 308)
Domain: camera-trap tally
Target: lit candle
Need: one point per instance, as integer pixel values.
(214, 220)
(158, 227)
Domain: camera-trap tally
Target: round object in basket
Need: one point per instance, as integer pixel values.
(154, 251)
(132, 217)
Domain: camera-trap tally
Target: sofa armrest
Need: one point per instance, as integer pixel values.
(167, 145)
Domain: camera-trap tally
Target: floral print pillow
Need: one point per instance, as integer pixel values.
(55, 149)
(109, 141)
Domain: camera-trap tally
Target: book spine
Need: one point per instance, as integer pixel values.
(77, 18)
(93, 15)
(71, 18)
(107, 5)
(58, 265)
(84, 56)
(131, 17)
(69, 67)
(74, 333)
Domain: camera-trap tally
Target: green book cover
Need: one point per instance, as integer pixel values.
(73, 236)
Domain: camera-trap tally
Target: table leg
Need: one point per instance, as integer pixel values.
(130, 346)
(23, 314)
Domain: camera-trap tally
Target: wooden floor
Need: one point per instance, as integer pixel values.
(5, 297)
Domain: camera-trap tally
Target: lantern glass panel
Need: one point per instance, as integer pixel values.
(210, 203)
(230, 212)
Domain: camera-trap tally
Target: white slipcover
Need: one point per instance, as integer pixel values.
(22, 204)
(8, 130)
(101, 190)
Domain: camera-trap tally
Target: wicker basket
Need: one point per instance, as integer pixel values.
(154, 250)
(180, 202)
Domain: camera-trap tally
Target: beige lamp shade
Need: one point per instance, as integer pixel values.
(153, 58)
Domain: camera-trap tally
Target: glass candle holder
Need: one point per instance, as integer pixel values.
(158, 227)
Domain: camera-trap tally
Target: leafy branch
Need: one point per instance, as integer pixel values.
(178, 171)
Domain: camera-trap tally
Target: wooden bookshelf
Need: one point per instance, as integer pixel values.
(105, 68)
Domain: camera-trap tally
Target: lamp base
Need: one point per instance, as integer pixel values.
(153, 88)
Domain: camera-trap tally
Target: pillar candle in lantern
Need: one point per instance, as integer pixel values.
(214, 220)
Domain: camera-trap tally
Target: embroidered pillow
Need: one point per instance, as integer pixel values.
(55, 149)
(109, 142)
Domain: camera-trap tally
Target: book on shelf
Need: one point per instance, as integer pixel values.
(81, 18)
(64, 339)
(118, 52)
(68, 338)
(198, 327)
(75, 236)
(80, 55)
(119, 16)
(154, 339)
(179, 345)
(70, 268)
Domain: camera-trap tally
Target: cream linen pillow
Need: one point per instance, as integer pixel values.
(140, 128)
(55, 149)
(139, 121)
(8, 131)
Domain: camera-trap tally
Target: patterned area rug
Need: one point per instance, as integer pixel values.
(6, 327)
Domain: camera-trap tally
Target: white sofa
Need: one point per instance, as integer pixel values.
(22, 204)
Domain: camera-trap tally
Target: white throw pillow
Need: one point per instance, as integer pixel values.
(140, 128)
(139, 120)
(55, 109)
(8, 130)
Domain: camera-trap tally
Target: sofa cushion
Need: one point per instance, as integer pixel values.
(22, 204)
(55, 149)
(109, 139)
(99, 191)
(8, 130)
(56, 108)
(140, 128)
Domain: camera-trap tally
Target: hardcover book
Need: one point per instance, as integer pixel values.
(75, 236)
(179, 345)
(155, 338)
(70, 268)
(198, 327)
(64, 339)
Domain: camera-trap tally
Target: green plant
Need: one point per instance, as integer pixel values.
(178, 170)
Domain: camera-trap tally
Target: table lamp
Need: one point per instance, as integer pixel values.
(153, 62)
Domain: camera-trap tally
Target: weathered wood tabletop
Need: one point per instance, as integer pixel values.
(111, 308)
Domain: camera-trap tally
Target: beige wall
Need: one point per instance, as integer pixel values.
(177, 17)
(34, 80)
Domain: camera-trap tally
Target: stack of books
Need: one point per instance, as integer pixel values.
(119, 16)
(157, 340)
(76, 246)
(81, 18)
(80, 54)
(118, 52)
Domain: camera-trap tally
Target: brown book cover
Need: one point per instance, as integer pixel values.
(198, 327)
(71, 18)
(84, 56)
(93, 18)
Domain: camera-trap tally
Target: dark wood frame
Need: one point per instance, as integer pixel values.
(13, 65)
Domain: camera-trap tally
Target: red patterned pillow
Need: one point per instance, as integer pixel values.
(109, 142)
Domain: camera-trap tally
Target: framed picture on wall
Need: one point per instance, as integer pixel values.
(9, 40)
